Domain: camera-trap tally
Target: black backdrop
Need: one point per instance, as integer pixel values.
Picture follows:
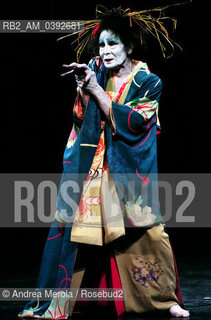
(36, 105)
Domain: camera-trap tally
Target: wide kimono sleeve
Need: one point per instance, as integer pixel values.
(132, 119)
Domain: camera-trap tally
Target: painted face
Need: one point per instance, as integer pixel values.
(111, 49)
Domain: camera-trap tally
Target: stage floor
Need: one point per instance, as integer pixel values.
(195, 281)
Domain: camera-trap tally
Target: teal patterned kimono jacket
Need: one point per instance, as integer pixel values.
(131, 149)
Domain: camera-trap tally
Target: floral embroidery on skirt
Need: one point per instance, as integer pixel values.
(145, 271)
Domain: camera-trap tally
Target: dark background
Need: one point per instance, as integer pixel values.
(36, 108)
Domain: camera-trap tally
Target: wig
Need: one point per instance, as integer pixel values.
(133, 28)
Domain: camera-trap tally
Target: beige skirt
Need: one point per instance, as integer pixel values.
(145, 264)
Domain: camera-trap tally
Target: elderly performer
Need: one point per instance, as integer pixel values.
(113, 237)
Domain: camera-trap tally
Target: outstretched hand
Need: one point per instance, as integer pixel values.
(84, 76)
(87, 83)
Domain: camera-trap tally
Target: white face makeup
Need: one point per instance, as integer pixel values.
(111, 49)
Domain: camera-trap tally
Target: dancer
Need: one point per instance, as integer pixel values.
(111, 234)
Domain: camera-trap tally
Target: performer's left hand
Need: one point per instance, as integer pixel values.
(87, 83)
(84, 76)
